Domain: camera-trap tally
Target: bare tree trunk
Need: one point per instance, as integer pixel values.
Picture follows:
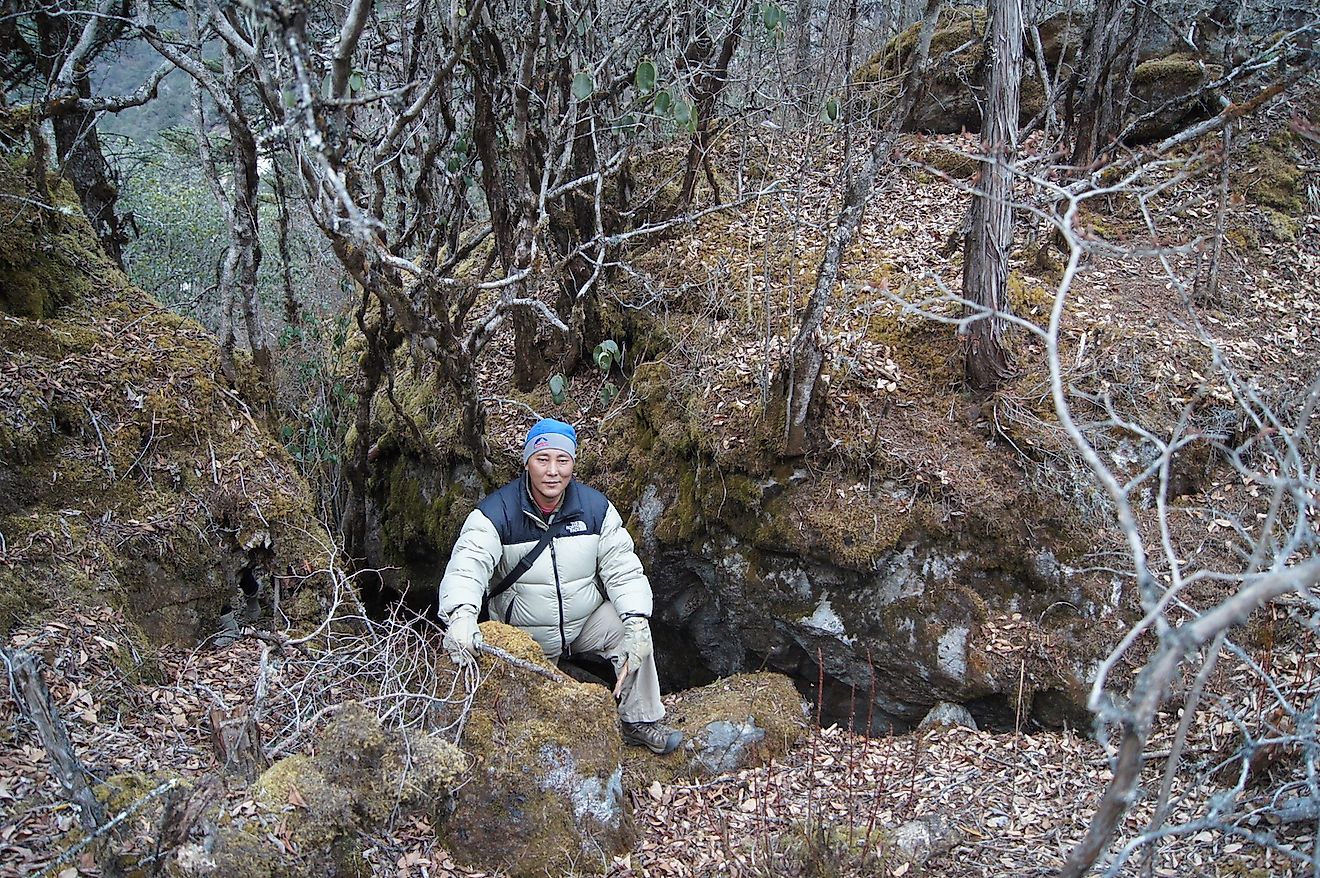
(708, 84)
(357, 466)
(802, 49)
(1210, 292)
(795, 384)
(292, 309)
(81, 160)
(77, 144)
(1109, 58)
(34, 700)
(990, 237)
(246, 241)
(1046, 83)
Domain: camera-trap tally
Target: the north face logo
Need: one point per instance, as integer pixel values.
(575, 527)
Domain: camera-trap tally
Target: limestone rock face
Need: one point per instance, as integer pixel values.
(890, 642)
(545, 794)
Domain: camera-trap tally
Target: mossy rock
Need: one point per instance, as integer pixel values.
(809, 520)
(545, 795)
(737, 722)
(948, 162)
(48, 252)
(957, 55)
(360, 775)
(129, 472)
(1177, 72)
(1169, 85)
(949, 105)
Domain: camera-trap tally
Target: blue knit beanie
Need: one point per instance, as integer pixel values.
(549, 434)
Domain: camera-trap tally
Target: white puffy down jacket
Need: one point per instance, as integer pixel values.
(553, 599)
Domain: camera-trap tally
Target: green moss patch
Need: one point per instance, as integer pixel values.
(545, 794)
(48, 252)
(1269, 174)
(1174, 73)
(359, 776)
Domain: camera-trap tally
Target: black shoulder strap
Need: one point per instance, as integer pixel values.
(525, 563)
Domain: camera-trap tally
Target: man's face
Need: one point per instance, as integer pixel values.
(549, 473)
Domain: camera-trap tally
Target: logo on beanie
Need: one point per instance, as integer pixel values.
(541, 441)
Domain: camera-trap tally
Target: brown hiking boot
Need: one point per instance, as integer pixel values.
(657, 737)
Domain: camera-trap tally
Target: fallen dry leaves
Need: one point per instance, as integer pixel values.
(1020, 801)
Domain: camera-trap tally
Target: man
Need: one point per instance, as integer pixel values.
(559, 564)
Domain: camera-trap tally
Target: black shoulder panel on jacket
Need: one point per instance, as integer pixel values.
(504, 508)
(510, 511)
(588, 504)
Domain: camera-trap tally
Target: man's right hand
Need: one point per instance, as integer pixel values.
(463, 636)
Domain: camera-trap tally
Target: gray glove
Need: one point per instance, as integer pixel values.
(636, 644)
(463, 636)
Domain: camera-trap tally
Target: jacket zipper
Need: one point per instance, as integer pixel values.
(559, 596)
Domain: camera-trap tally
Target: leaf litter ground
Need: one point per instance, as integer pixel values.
(1018, 801)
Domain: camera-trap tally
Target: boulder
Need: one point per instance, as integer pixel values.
(734, 723)
(1160, 85)
(545, 792)
(927, 836)
(309, 812)
(948, 714)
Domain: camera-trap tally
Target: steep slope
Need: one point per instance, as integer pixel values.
(130, 472)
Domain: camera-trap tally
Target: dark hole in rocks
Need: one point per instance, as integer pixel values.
(1057, 708)
(704, 647)
(998, 713)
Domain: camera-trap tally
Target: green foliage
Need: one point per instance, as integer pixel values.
(685, 115)
(605, 355)
(669, 106)
(183, 232)
(583, 86)
(645, 77)
(773, 16)
(558, 388)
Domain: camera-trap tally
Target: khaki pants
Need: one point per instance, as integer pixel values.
(640, 700)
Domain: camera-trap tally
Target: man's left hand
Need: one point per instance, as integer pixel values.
(636, 645)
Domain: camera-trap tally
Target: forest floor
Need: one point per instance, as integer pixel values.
(1006, 804)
